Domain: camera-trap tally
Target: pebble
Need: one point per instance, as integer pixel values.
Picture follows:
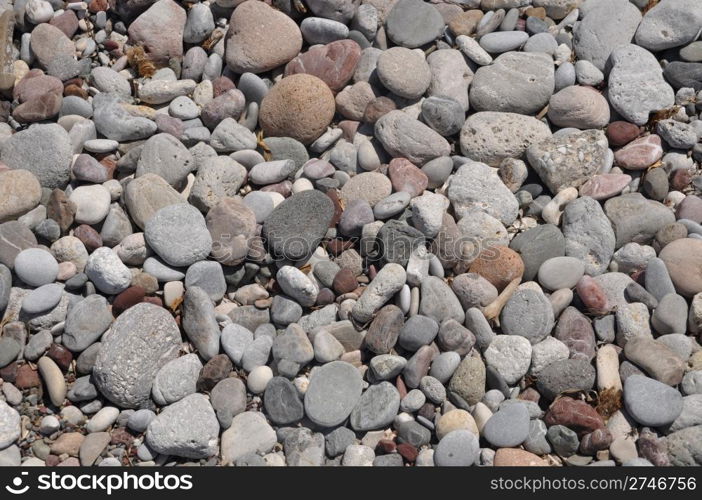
(650, 402)
(124, 369)
(325, 403)
(170, 434)
(402, 27)
(457, 448)
(35, 267)
(505, 86)
(507, 428)
(172, 225)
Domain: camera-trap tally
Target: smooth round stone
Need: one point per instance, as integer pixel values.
(333, 392)
(565, 76)
(92, 203)
(561, 272)
(503, 41)
(413, 23)
(178, 234)
(369, 186)
(247, 52)
(10, 350)
(36, 267)
(650, 402)
(259, 378)
(44, 298)
(300, 106)
(509, 427)
(459, 448)
(404, 72)
(683, 260)
(528, 313)
(209, 276)
(669, 24)
(578, 107)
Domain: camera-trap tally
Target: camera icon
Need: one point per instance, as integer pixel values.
(16, 488)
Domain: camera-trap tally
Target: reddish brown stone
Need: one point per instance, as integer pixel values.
(9, 373)
(128, 298)
(222, 84)
(121, 435)
(333, 63)
(603, 186)
(530, 394)
(27, 377)
(337, 246)
(574, 414)
(680, 179)
(344, 282)
(325, 297)
(408, 452)
(499, 265)
(387, 446)
(75, 90)
(68, 21)
(52, 461)
(216, 369)
(620, 133)
(61, 356)
(36, 84)
(690, 208)
(98, 6)
(405, 176)
(428, 411)
(592, 296)
(640, 154)
(377, 108)
(61, 209)
(154, 300)
(333, 195)
(39, 109)
(349, 127)
(401, 387)
(89, 236)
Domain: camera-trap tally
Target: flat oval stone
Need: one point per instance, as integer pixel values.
(42, 299)
(640, 153)
(333, 392)
(650, 402)
(296, 226)
(604, 186)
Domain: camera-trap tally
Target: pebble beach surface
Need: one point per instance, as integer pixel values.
(351, 232)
